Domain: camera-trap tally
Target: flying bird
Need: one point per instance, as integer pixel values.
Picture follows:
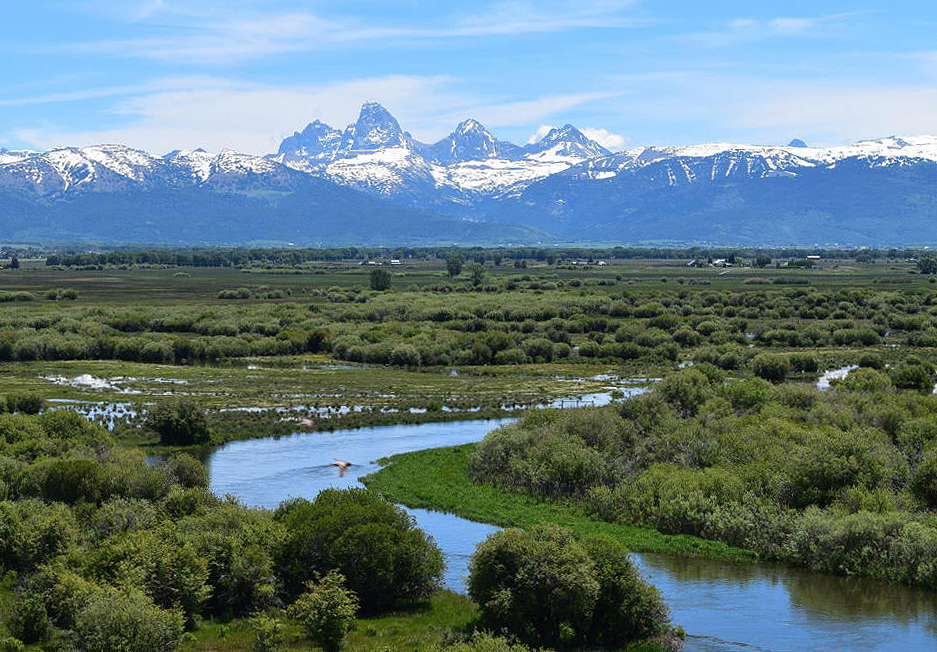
(342, 466)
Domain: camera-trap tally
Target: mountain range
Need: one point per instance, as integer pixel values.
(373, 183)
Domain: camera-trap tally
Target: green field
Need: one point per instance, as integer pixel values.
(267, 348)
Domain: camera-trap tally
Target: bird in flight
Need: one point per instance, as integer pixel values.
(342, 466)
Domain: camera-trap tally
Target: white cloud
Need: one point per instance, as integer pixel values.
(743, 30)
(522, 113)
(841, 112)
(605, 138)
(222, 32)
(218, 114)
(538, 135)
(767, 110)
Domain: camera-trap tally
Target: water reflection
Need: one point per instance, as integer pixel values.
(778, 608)
(724, 607)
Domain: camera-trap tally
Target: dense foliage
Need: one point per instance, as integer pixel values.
(376, 546)
(114, 554)
(217, 257)
(484, 319)
(547, 588)
(840, 481)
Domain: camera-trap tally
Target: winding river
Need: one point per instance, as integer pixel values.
(723, 607)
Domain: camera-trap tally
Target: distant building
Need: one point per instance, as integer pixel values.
(394, 261)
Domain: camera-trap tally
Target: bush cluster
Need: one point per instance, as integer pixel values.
(115, 554)
(843, 481)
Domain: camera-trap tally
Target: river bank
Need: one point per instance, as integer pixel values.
(437, 479)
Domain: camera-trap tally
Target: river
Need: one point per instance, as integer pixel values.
(723, 607)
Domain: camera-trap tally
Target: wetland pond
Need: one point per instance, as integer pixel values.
(723, 607)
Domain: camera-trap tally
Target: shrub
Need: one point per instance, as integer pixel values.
(29, 621)
(186, 471)
(71, 481)
(685, 390)
(510, 356)
(865, 379)
(806, 362)
(628, 608)
(771, 367)
(481, 642)
(924, 481)
(405, 355)
(268, 633)
(127, 621)
(179, 422)
(543, 587)
(748, 394)
(25, 403)
(871, 360)
(326, 611)
(373, 543)
(910, 375)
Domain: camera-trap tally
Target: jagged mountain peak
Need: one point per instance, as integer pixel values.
(318, 141)
(376, 128)
(470, 141)
(567, 141)
(469, 126)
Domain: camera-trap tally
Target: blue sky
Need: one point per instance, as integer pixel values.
(242, 74)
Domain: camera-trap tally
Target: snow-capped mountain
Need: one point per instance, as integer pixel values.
(325, 185)
(376, 155)
(470, 142)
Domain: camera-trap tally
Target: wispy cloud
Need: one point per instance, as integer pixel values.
(105, 92)
(524, 112)
(213, 32)
(740, 30)
(218, 114)
(770, 109)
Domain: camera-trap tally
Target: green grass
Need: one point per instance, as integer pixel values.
(438, 479)
(415, 629)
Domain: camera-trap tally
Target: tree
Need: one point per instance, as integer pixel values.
(454, 266)
(535, 584)
(380, 280)
(384, 557)
(179, 422)
(326, 611)
(476, 274)
(14, 263)
(927, 265)
(546, 588)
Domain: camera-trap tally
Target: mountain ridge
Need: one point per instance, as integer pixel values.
(564, 185)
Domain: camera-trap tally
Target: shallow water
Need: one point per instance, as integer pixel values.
(723, 607)
(834, 374)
